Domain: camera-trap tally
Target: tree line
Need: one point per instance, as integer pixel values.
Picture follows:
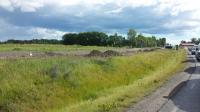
(33, 41)
(98, 39)
(195, 41)
(102, 39)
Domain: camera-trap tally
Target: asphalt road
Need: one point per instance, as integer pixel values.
(187, 99)
(181, 93)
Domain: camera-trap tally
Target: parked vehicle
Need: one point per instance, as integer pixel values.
(194, 50)
(197, 55)
(168, 46)
(189, 49)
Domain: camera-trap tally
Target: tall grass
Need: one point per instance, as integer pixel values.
(83, 84)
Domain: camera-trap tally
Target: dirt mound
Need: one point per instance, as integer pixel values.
(95, 53)
(110, 53)
(107, 53)
(147, 50)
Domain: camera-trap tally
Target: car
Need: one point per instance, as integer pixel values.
(194, 50)
(189, 49)
(168, 46)
(197, 55)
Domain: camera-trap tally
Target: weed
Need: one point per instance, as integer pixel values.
(83, 83)
(17, 49)
(54, 72)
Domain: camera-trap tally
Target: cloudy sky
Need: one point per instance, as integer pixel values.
(27, 19)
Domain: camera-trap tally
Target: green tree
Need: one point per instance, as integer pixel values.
(195, 40)
(116, 40)
(141, 41)
(198, 41)
(102, 39)
(131, 37)
(70, 39)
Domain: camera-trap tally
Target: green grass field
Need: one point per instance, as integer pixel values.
(79, 84)
(43, 47)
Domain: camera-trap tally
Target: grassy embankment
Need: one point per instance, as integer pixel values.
(74, 84)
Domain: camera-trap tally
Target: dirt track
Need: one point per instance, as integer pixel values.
(26, 54)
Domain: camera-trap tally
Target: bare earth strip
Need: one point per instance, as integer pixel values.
(155, 101)
(21, 54)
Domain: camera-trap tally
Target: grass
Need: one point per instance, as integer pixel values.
(43, 47)
(74, 84)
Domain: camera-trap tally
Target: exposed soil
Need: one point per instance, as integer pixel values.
(53, 54)
(108, 53)
(111, 53)
(93, 53)
(147, 49)
(25, 54)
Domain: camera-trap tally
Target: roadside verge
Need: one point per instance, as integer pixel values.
(155, 101)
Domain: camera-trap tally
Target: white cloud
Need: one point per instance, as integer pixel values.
(174, 6)
(115, 11)
(177, 6)
(45, 33)
(175, 23)
(9, 31)
(6, 4)
(33, 5)
(28, 6)
(181, 24)
(24, 5)
(135, 3)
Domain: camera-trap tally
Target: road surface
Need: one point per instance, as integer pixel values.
(180, 94)
(188, 98)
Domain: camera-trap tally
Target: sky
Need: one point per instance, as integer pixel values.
(175, 20)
